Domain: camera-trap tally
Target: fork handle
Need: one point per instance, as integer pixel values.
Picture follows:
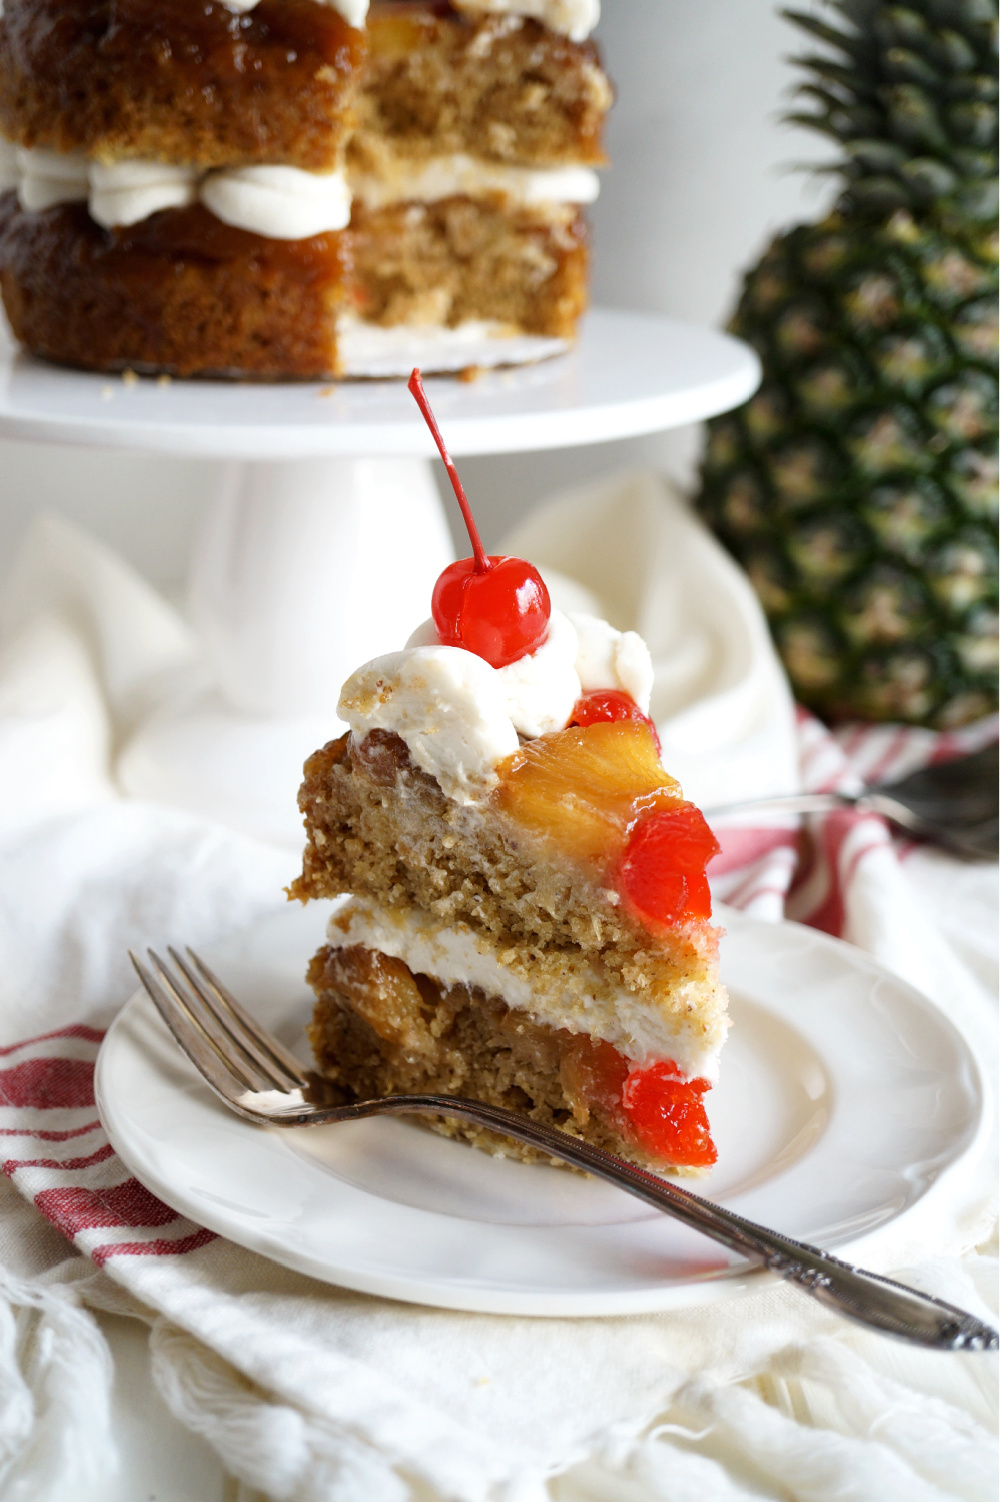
(960, 841)
(865, 1297)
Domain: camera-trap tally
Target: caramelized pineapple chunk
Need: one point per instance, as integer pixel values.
(585, 786)
(382, 991)
(593, 1075)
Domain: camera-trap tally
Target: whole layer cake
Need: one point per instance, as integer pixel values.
(296, 189)
(528, 918)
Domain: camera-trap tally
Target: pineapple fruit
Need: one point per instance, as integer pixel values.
(585, 787)
(858, 487)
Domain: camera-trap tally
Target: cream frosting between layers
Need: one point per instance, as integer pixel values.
(459, 956)
(282, 203)
(458, 173)
(279, 202)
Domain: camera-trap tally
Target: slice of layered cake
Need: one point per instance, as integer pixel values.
(528, 919)
(296, 188)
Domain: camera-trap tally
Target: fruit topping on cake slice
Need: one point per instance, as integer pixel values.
(527, 919)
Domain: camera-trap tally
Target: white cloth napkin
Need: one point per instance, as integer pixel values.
(309, 1392)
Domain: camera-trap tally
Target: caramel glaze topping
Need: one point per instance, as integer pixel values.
(180, 81)
(180, 292)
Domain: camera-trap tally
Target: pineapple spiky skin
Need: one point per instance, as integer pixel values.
(859, 485)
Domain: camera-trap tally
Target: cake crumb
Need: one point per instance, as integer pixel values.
(107, 393)
(327, 391)
(470, 373)
(129, 378)
(164, 379)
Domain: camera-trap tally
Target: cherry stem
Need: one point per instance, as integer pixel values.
(415, 387)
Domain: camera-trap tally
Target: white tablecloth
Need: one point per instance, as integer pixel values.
(310, 1392)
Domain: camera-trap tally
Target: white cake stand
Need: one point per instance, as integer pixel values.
(323, 542)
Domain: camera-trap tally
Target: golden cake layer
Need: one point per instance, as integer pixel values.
(287, 82)
(180, 81)
(500, 88)
(183, 293)
(180, 292)
(462, 259)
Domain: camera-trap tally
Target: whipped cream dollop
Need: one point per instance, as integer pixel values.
(445, 704)
(575, 19)
(354, 12)
(283, 203)
(460, 717)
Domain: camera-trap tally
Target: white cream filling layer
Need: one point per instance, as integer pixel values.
(458, 956)
(283, 203)
(447, 176)
(460, 717)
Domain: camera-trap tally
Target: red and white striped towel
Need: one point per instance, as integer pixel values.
(57, 1154)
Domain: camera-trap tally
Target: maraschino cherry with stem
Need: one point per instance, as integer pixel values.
(497, 607)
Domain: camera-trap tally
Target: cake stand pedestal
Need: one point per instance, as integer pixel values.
(322, 545)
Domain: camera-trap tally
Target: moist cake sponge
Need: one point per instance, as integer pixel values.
(180, 292)
(175, 81)
(499, 88)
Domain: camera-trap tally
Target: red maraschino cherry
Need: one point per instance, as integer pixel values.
(604, 704)
(497, 607)
(662, 873)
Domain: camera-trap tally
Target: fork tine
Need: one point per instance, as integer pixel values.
(204, 1054)
(237, 1059)
(204, 1024)
(237, 1036)
(280, 1058)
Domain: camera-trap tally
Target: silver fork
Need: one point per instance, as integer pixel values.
(264, 1083)
(953, 805)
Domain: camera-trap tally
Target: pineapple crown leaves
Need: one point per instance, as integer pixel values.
(910, 94)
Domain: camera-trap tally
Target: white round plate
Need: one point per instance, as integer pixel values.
(846, 1098)
(629, 373)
